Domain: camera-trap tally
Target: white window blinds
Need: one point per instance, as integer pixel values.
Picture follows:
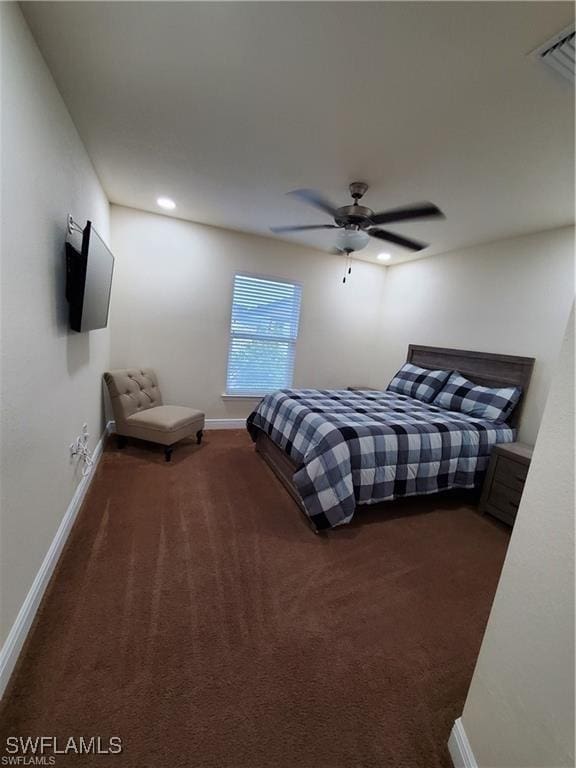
(263, 333)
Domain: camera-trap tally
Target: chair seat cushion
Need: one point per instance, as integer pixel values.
(166, 418)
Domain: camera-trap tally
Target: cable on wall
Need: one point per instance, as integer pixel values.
(80, 448)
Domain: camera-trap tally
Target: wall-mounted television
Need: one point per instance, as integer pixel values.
(89, 281)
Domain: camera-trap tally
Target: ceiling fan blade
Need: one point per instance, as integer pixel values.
(405, 242)
(304, 228)
(316, 199)
(407, 213)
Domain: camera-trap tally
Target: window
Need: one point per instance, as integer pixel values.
(263, 333)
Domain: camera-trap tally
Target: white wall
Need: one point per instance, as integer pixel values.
(520, 707)
(51, 378)
(511, 296)
(171, 304)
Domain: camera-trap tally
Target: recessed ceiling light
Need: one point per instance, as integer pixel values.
(166, 203)
(384, 256)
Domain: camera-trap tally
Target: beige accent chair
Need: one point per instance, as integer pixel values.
(139, 412)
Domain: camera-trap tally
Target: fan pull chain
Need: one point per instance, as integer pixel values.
(347, 265)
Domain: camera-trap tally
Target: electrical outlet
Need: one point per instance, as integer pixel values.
(80, 454)
(80, 445)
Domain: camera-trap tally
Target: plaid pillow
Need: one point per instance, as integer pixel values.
(419, 383)
(459, 394)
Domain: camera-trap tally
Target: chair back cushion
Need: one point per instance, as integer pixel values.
(132, 390)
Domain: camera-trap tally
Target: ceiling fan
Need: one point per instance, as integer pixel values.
(359, 223)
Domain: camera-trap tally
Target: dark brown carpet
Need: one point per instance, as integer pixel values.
(195, 615)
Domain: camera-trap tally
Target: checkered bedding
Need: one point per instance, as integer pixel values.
(459, 394)
(419, 383)
(363, 447)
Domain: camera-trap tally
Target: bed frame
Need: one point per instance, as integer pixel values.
(482, 368)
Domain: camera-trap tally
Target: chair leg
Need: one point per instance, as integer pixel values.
(168, 452)
(121, 441)
(199, 436)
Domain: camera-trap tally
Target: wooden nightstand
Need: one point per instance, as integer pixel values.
(505, 480)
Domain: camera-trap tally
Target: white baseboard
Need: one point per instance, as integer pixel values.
(225, 424)
(459, 747)
(210, 424)
(17, 635)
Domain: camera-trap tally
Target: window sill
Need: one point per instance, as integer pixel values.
(224, 396)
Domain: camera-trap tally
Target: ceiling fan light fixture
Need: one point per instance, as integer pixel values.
(352, 239)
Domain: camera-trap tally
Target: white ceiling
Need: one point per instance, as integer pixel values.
(227, 106)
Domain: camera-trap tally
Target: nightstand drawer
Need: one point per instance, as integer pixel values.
(505, 498)
(510, 473)
(504, 483)
(505, 516)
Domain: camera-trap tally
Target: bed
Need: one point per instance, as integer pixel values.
(337, 450)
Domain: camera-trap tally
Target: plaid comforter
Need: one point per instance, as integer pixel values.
(363, 447)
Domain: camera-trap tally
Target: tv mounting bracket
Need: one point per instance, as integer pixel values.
(73, 226)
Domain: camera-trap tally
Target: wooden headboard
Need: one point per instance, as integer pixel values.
(483, 368)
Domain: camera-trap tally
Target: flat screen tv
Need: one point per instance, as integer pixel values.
(89, 281)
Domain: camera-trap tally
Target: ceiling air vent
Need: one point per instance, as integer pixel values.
(558, 53)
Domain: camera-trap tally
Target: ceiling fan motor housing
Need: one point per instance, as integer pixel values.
(353, 215)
